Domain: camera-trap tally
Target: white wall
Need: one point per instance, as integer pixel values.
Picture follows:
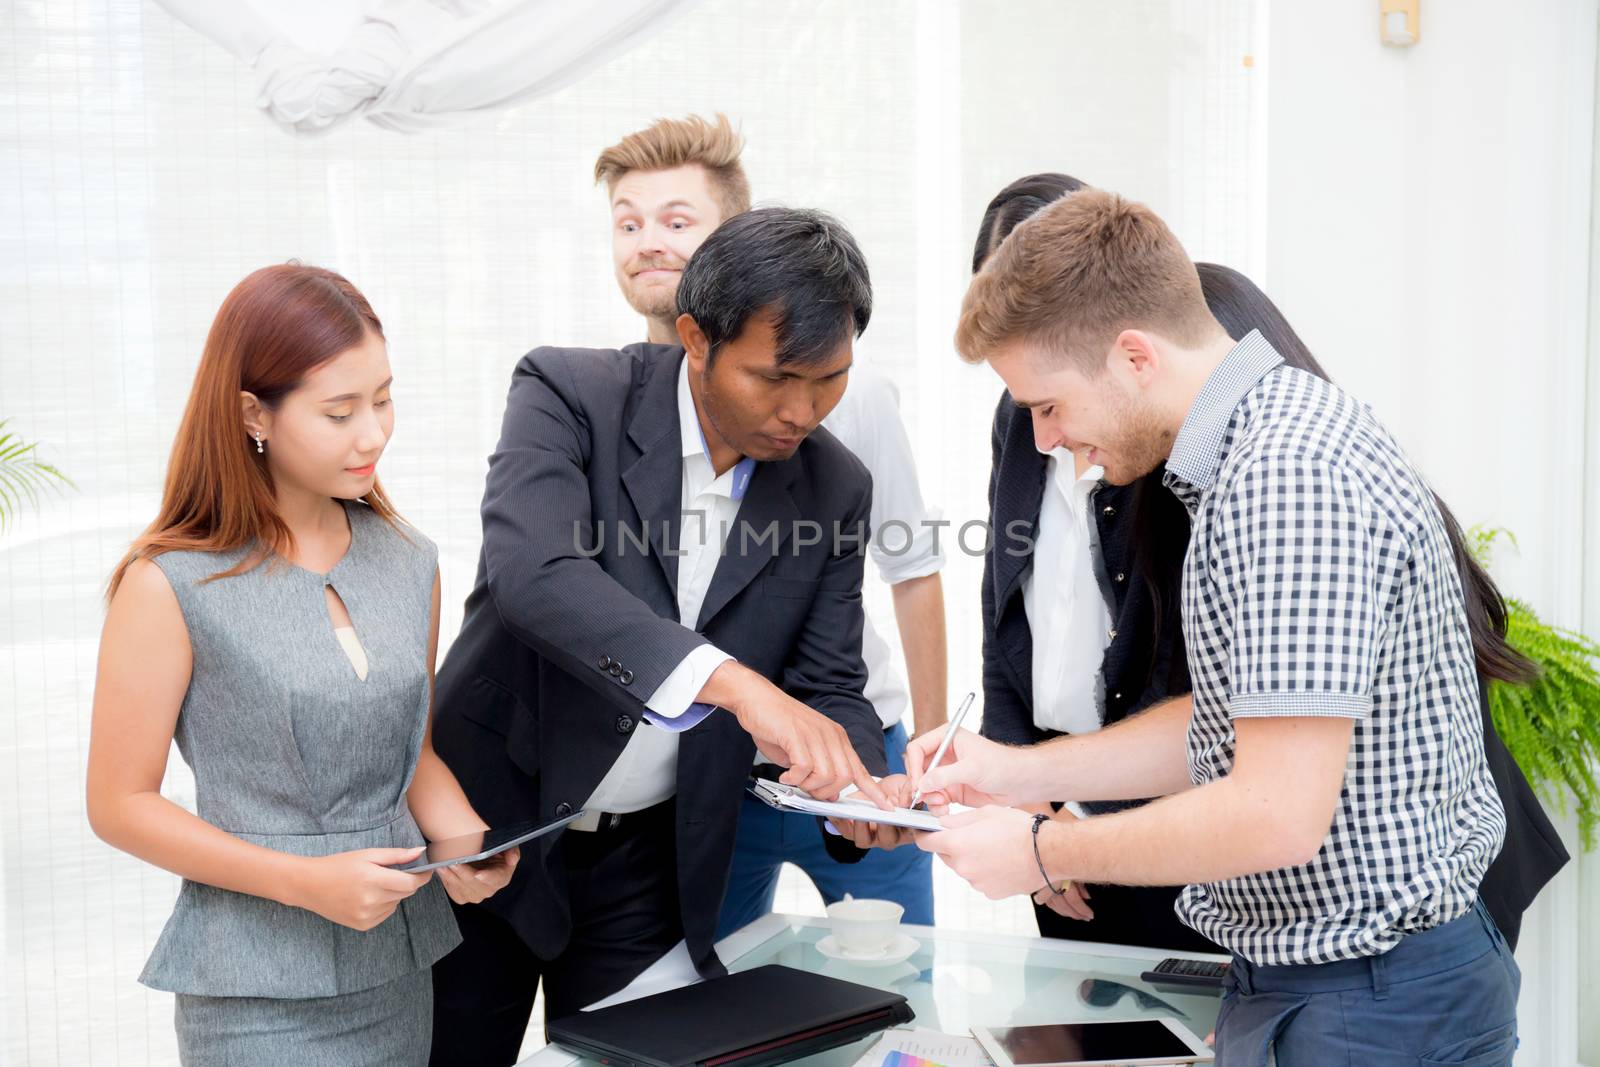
(1428, 218)
(1589, 939)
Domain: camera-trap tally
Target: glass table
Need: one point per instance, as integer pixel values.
(956, 980)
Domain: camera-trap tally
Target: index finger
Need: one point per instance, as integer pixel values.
(389, 857)
(867, 785)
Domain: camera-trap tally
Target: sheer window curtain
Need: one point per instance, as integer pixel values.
(414, 64)
(145, 181)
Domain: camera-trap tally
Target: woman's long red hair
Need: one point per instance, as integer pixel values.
(273, 329)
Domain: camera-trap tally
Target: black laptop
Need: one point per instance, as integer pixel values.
(768, 1015)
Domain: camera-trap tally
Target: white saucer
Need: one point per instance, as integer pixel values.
(902, 948)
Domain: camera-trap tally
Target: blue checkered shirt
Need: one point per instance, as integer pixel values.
(1320, 582)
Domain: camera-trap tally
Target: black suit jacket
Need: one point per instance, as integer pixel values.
(1146, 661)
(561, 644)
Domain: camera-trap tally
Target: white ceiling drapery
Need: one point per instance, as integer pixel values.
(414, 64)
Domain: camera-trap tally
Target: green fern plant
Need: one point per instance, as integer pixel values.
(1552, 726)
(22, 476)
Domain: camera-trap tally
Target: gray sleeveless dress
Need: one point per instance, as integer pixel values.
(294, 752)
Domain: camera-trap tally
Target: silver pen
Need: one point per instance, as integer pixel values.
(938, 754)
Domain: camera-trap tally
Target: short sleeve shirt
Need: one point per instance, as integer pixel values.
(1320, 582)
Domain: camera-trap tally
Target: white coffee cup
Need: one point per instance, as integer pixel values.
(864, 927)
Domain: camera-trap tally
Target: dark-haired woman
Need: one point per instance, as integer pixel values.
(1061, 574)
(1110, 557)
(280, 622)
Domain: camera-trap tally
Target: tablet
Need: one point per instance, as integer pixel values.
(479, 846)
(1124, 1044)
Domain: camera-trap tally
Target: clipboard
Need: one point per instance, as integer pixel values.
(797, 801)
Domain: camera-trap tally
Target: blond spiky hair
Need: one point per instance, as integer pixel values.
(668, 143)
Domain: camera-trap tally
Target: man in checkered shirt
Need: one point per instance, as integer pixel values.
(1325, 796)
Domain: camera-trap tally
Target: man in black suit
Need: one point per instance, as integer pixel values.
(670, 581)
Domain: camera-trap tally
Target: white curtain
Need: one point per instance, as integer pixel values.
(412, 64)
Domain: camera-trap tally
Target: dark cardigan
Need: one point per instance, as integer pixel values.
(1146, 662)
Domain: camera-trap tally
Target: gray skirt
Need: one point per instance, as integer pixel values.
(390, 1024)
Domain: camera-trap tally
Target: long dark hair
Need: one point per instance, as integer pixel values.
(1160, 532)
(1158, 522)
(1014, 203)
(1240, 306)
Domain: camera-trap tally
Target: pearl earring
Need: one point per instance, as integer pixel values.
(259, 448)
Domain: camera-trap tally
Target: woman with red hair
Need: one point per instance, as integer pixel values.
(280, 622)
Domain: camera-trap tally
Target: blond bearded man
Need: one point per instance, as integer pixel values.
(670, 185)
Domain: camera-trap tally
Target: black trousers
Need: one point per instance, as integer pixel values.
(1138, 916)
(625, 916)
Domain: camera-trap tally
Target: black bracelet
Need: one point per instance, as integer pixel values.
(1038, 821)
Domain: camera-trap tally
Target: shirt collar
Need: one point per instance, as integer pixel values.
(1063, 472)
(1198, 450)
(694, 442)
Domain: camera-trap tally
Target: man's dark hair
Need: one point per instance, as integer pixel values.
(802, 265)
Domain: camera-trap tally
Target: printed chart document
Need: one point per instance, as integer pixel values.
(917, 1047)
(788, 798)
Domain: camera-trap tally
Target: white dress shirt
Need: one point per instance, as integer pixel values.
(904, 543)
(646, 773)
(1067, 613)
(866, 421)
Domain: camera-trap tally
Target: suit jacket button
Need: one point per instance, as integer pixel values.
(615, 669)
(624, 724)
(605, 663)
(563, 809)
(626, 678)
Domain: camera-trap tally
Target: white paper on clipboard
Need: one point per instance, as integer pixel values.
(788, 798)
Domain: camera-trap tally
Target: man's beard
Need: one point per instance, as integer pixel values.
(1141, 443)
(652, 301)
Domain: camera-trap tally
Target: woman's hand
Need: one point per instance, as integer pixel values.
(1071, 903)
(1073, 900)
(357, 889)
(473, 883)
